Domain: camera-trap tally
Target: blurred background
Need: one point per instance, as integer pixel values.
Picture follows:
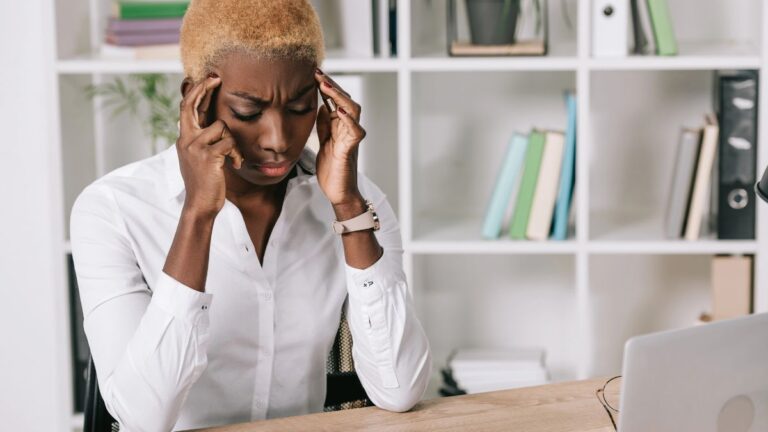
(567, 173)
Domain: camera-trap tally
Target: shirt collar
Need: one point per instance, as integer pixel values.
(175, 182)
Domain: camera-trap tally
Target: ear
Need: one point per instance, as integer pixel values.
(186, 85)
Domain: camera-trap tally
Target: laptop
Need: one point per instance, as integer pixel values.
(708, 378)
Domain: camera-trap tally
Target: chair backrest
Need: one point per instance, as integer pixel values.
(343, 387)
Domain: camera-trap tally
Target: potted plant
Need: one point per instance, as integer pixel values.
(147, 98)
(494, 22)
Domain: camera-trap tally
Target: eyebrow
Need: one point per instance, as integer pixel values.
(259, 101)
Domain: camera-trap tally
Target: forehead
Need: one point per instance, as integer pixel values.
(249, 73)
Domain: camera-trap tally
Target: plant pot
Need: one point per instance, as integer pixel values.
(493, 22)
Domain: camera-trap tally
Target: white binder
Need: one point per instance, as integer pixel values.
(610, 28)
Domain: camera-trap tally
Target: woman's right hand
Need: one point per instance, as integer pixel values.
(203, 151)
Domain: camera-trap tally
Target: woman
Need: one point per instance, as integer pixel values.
(212, 283)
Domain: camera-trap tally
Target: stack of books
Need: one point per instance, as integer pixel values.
(143, 29)
(482, 370)
(534, 185)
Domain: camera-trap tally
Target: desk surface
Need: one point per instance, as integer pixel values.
(561, 407)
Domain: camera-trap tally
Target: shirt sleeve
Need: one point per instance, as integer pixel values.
(148, 343)
(390, 349)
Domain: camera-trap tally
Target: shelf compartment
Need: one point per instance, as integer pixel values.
(500, 302)
(633, 147)
(637, 294)
(429, 31)
(457, 148)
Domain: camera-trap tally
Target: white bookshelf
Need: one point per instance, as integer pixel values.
(438, 128)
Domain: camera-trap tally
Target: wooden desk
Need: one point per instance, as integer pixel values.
(562, 407)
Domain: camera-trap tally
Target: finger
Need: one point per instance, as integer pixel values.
(353, 127)
(323, 124)
(227, 147)
(335, 84)
(188, 106)
(215, 132)
(202, 108)
(341, 99)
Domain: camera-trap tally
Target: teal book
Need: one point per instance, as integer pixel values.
(565, 193)
(533, 154)
(661, 22)
(507, 181)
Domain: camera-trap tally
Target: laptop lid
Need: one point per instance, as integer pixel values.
(708, 378)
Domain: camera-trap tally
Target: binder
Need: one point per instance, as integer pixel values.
(610, 19)
(736, 100)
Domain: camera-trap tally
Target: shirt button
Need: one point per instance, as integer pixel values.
(205, 307)
(267, 296)
(247, 249)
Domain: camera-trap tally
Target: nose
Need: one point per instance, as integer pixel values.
(274, 135)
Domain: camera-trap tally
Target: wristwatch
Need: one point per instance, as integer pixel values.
(365, 221)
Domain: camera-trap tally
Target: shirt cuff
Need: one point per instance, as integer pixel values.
(180, 300)
(368, 282)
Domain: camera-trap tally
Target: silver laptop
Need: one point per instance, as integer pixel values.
(708, 378)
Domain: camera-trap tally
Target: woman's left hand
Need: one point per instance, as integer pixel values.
(340, 134)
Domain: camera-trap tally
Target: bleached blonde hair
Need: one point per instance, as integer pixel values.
(211, 29)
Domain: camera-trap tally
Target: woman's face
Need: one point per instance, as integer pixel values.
(270, 106)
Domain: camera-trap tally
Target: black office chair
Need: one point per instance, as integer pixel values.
(344, 390)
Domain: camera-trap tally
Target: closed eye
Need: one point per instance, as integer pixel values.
(252, 117)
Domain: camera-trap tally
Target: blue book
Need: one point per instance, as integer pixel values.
(507, 182)
(565, 193)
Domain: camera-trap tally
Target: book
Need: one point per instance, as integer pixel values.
(540, 220)
(731, 286)
(138, 39)
(118, 26)
(532, 163)
(482, 370)
(147, 52)
(507, 182)
(639, 38)
(701, 183)
(381, 28)
(610, 19)
(567, 175)
(143, 9)
(526, 47)
(682, 182)
(736, 104)
(661, 23)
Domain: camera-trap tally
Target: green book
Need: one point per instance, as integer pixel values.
(532, 163)
(661, 22)
(145, 9)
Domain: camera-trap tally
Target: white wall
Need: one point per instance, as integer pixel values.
(32, 375)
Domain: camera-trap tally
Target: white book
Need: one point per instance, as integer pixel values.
(494, 358)
(540, 221)
(701, 183)
(682, 181)
(381, 27)
(357, 28)
(148, 52)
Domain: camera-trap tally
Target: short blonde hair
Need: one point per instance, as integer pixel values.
(262, 28)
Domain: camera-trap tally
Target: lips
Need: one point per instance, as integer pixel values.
(272, 169)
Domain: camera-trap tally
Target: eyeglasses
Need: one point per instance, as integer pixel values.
(610, 409)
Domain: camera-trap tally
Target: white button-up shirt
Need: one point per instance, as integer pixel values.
(255, 344)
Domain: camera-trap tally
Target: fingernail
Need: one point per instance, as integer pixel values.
(341, 110)
(325, 83)
(318, 71)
